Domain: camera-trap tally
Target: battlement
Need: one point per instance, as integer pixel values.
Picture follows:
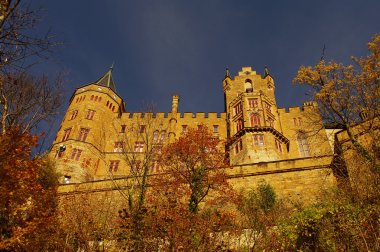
(307, 106)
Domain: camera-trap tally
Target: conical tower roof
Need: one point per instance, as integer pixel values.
(107, 80)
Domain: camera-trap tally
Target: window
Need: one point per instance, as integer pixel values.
(92, 97)
(255, 120)
(114, 165)
(75, 155)
(83, 133)
(73, 114)
(239, 125)
(184, 128)
(142, 129)
(271, 122)
(163, 135)
(267, 107)
(123, 128)
(118, 147)
(303, 145)
(90, 114)
(248, 86)
(155, 166)
(297, 121)
(238, 108)
(216, 128)
(238, 146)
(253, 102)
(139, 146)
(258, 140)
(96, 98)
(100, 99)
(135, 165)
(155, 136)
(278, 145)
(66, 179)
(66, 134)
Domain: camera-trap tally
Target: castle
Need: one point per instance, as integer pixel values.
(289, 148)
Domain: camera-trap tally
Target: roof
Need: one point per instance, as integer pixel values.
(107, 81)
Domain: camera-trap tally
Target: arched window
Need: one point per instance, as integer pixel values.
(303, 145)
(255, 120)
(107, 103)
(248, 86)
(100, 99)
(96, 98)
(92, 97)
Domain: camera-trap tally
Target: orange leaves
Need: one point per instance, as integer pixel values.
(24, 204)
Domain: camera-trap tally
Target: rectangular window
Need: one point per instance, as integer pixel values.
(253, 102)
(271, 122)
(83, 133)
(267, 107)
(184, 128)
(216, 128)
(238, 146)
(135, 165)
(139, 146)
(295, 121)
(239, 125)
(155, 166)
(75, 155)
(258, 140)
(299, 121)
(238, 108)
(114, 165)
(118, 147)
(66, 134)
(73, 114)
(90, 114)
(122, 130)
(155, 136)
(142, 129)
(278, 145)
(163, 135)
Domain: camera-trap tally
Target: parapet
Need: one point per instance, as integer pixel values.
(203, 115)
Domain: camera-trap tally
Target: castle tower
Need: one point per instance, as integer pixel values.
(253, 127)
(80, 142)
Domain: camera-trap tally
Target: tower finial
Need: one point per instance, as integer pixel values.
(111, 67)
(266, 71)
(227, 75)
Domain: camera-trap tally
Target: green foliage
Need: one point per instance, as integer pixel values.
(47, 175)
(333, 227)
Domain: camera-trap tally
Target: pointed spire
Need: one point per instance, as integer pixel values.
(227, 75)
(266, 71)
(107, 80)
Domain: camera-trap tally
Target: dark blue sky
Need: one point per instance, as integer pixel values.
(161, 48)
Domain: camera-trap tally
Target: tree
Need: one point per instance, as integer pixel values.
(347, 94)
(192, 173)
(26, 101)
(142, 142)
(17, 45)
(27, 196)
(197, 161)
(259, 210)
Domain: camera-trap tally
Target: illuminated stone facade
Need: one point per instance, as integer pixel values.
(289, 148)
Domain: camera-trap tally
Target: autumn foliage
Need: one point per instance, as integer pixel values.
(27, 196)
